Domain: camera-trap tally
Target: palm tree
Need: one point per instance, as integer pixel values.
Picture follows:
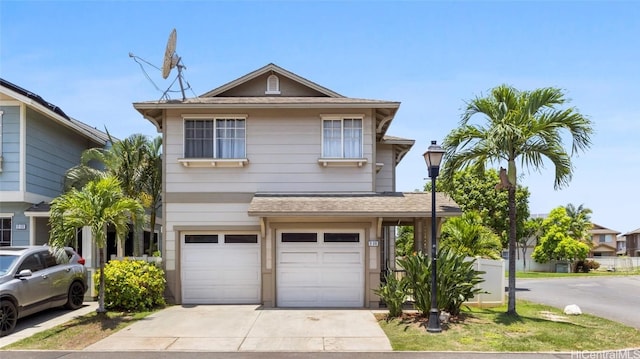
(467, 235)
(136, 162)
(101, 203)
(580, 222)
(521, 128)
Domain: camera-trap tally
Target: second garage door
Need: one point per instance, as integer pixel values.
(320, 269)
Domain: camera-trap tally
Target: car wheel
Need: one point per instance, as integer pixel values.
(75, 297)
(8, 317)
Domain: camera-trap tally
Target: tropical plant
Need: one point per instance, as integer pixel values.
(580, 222)
(457, 281)
(99, 205)
(474, 191)
(521, 127)
(136, 162)
(467, 235)
(404, 241)
(531, 234)
(556, 243)
(393, 292)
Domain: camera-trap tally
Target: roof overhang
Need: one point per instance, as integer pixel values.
(390, 206)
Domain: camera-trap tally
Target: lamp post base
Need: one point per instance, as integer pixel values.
(433, 325)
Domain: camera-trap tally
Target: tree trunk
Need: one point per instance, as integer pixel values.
(511, 306)
(101, 308)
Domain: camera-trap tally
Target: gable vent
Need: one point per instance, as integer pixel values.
(273, 85)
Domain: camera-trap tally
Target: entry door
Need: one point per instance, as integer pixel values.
(220, 269)
(320, 268)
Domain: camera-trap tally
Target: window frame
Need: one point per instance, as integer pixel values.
(6, 230)
(341, 117)
(214, 161)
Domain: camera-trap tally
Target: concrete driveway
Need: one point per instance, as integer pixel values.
(612, 297)
(231, 328)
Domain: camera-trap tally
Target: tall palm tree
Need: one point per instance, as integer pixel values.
(469, 236)
(136, 162)
(580, 222)
(101, 203)
(521, 128)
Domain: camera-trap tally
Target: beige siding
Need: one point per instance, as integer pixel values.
(283, 148)
(384, 178)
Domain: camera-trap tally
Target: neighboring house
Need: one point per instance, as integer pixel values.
(279, 191)
(632, 240)
(38, 144)
(621, 245)
(604, 241)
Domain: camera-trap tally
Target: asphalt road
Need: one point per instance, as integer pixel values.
(612, 297)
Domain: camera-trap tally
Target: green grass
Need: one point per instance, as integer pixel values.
(536, 328)
(78, 333)
(572, 275)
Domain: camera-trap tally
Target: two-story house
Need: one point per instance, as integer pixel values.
(38, 144)
(603, 241)
(279, 191)
(632, 243)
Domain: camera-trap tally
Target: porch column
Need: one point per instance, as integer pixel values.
(418, 234)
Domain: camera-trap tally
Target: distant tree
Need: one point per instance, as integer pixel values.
(469, 236)
(556, 243)
(580, 222)
(531, 235)
(404, 241)
(520, 128)
(474, 191)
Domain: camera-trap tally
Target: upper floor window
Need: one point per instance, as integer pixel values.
(606, 238)
(223, 138)
(341, 137)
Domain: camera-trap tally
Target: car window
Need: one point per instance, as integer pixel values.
(6, 261)
(48, 259)
(32, 262)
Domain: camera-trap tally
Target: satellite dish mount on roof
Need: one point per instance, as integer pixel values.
(171, 60)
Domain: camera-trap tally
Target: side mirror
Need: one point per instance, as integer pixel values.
(24, 273)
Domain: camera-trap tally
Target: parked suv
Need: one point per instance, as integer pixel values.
(32, 280)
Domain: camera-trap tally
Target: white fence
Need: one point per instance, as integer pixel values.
(494, 283)
(618, 264)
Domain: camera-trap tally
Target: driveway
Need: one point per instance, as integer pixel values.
(611, 297)
(248, 328)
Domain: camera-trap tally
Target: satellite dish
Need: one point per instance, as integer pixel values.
(170, 58)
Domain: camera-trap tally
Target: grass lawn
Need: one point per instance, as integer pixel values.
(78, 333)
(571, 275)
(538, 328)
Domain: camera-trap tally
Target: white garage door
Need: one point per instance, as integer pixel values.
(320, 269)
(220, 269)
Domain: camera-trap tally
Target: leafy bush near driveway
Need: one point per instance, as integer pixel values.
(456, 279)
(133, 285)
(586, 266)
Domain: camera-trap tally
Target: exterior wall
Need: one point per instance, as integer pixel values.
(633, 242)
(258, 86)
(270, 169)
(10, 174)
(385, 181)
(19, 237)
(50, 151)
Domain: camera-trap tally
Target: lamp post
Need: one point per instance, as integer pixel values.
(433, 157)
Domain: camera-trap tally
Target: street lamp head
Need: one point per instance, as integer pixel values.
(433, 157)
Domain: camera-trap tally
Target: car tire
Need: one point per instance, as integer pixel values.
(8, 317)
(75, 296)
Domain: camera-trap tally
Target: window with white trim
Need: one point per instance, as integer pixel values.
(341, 137)
(273, 85)
(223, 138)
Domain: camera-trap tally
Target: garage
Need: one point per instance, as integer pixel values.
(219, 268)
(320, 268)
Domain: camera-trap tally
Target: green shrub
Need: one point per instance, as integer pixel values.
(586, 266)
(393, 292)
(456, 279)
(133, 285)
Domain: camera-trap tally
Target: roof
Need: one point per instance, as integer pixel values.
(53, 111)
(637, 231)
(602, 247)
(598, 229)
(387, 204)
(222, 98)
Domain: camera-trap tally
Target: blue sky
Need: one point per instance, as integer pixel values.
(431, 56)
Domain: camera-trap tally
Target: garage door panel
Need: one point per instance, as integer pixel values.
(341, 258)
(320, 274)
(220, 273)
